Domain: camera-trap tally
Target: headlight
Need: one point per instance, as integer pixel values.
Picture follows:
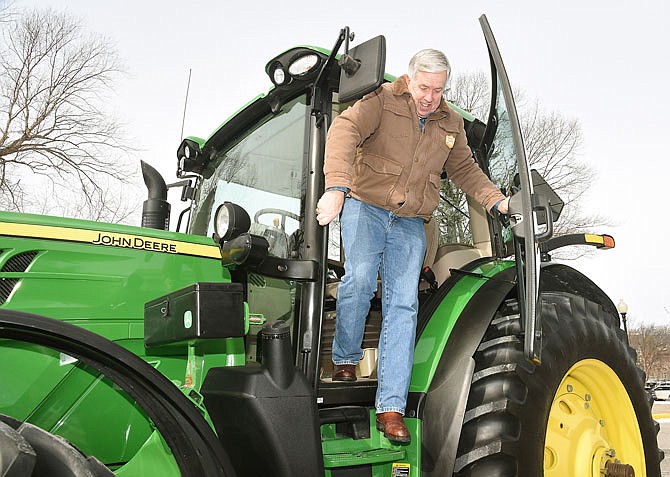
(303, 65)
(190, 156)
(230, 221)
(278, 74)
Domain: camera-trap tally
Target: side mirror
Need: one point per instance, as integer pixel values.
(517, 216)
(365, 63)
(555, 203)
(546, 204)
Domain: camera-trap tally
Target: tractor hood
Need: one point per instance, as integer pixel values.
(73, 269)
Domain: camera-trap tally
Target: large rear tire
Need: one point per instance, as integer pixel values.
(582, 410)
(26, 450)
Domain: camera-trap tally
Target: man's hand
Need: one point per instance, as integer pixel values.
(329, 206)
(503, 207)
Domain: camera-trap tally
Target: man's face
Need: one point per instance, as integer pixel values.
(426, 90)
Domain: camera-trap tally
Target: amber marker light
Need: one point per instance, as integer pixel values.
(608, 241)
(600, 241)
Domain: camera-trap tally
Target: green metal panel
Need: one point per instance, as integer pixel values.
(81, 403)
(154, 459)
(429, 348)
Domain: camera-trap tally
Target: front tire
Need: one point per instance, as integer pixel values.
(582, 410)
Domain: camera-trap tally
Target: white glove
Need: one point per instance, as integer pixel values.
(329, 206)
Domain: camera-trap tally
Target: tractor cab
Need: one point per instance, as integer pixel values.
(267, 164)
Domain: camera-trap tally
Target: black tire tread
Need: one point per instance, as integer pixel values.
(52, 455)
(509, 399)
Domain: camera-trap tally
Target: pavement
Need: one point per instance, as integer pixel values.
(661, 412)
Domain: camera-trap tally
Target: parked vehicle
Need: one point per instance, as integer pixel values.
(158, 353)
(662, 392)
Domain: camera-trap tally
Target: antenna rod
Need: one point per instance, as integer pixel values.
(183, 119)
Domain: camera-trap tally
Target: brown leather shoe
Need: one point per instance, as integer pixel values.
(393, 427)
(344, 372)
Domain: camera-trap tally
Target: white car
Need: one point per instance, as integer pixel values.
(662, 392)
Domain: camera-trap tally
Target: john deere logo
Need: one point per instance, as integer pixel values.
(135, 242)
(109, 239)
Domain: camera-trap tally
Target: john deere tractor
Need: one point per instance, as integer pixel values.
(140, 351)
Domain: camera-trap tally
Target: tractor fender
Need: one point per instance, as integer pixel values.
(557, 277)
(442, 406)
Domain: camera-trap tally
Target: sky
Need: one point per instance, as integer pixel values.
(604, 63)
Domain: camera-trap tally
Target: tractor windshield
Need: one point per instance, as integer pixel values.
(262, 172)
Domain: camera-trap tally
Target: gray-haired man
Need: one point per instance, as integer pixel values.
(384, 157)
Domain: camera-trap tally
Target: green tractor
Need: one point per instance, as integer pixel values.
(139, 351)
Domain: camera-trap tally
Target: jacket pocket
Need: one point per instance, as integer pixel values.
(431, 194)
(376, 178)
(396, 122)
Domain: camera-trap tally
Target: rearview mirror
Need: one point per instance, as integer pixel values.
(542, 188)
(369, 75)
(546, 204)
(555, 203)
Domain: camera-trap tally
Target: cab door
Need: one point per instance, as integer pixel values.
(510, 170)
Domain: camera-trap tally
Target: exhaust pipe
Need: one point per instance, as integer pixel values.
(156, 209)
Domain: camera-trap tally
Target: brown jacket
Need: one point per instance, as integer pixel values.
(376, 149)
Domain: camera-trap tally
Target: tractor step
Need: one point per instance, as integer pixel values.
(364, 457)
(350, 439)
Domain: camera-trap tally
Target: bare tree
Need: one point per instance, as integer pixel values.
(5, 10)
(53, 88)
(552, 145)
(471, 92)
(116, 203)
(652, 344)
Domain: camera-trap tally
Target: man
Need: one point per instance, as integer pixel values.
(385, 154)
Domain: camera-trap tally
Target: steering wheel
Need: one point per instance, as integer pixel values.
(283, 213)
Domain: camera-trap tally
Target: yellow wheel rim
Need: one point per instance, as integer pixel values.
(591, 423)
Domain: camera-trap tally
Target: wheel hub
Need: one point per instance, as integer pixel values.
(619, 470)
(592, 429)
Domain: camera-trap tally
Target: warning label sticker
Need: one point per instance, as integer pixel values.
(400, 470)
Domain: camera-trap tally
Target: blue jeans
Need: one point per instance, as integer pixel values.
(378, 241)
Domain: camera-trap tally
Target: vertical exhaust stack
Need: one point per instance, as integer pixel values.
(156, 209)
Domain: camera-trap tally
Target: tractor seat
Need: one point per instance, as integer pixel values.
(442, 258)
